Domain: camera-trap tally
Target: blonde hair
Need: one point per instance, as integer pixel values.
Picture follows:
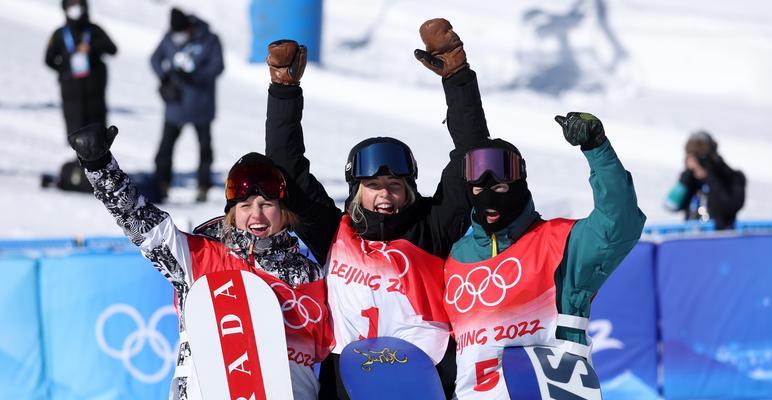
(289, 221)
(355, 205)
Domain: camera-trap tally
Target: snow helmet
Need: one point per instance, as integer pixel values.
(253, 174)
(379, 156)
(496, 159)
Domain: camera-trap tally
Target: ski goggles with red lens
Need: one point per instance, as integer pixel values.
(250, 177)
(503, 165)
(382, 158)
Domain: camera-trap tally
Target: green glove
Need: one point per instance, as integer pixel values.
(582, 129)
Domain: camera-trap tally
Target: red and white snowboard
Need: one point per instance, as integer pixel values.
(237, 339)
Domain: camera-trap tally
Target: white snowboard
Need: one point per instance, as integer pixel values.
(233, 357)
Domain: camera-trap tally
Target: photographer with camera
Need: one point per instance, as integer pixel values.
(708, 188)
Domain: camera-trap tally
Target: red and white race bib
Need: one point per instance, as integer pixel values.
(385, 289)
(508, 300)
(306, 316)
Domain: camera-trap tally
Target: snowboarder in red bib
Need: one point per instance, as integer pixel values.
(518, 280)
(384, 252)
(252, 236)
(521, 281)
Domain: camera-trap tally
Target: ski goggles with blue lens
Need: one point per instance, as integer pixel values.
(384, 158)
(503, 165)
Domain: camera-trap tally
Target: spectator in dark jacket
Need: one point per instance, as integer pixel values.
(75, 51)
(708, 188)
(187, 61)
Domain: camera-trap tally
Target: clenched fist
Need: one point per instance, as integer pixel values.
(582, 129)
(444, 52)
(286, 61)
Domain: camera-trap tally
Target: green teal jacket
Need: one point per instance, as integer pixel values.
(597, 244)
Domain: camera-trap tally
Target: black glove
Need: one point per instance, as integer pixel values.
(286, 61)
(92, 144)
(582, 129)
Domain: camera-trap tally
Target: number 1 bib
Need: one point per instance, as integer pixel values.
(389, 288)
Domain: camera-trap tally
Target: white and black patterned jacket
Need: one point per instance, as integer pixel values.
(159, 240)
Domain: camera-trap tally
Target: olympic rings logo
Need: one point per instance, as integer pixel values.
(302, 309)
(485, 292)
(135, 342)
(401, 261)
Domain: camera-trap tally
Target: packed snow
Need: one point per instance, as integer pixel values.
(654, 71)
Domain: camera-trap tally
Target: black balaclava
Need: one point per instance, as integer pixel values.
(509, 205)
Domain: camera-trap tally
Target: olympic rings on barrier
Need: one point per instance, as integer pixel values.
(135, 341)
(466, 286)
(296, 303)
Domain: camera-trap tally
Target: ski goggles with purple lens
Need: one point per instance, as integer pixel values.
(382, 158)
(504, 165)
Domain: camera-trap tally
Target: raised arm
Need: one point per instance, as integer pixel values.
(151, 229)
(598, 243)
(445, 56)
(284, 145)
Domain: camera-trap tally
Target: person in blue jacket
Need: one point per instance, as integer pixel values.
(187, 62)
(521, 281)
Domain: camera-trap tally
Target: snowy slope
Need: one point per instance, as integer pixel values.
(653, 71)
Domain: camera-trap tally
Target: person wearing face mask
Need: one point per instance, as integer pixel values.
(187, 62)
(384, 251)
(255, 228)
(521, 281)
(75, 52)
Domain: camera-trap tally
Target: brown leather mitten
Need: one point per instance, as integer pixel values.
(444, 53)
(286, 61)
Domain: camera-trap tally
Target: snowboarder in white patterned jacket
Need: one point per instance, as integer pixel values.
(254, 228)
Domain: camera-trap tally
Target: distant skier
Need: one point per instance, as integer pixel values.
(385, 252)
(518, 280)
(187, 62)
(252, 236)
(75, 52)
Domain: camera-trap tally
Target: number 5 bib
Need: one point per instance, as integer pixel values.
(507, 301)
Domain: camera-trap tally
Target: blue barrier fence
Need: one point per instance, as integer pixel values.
(680, 319)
